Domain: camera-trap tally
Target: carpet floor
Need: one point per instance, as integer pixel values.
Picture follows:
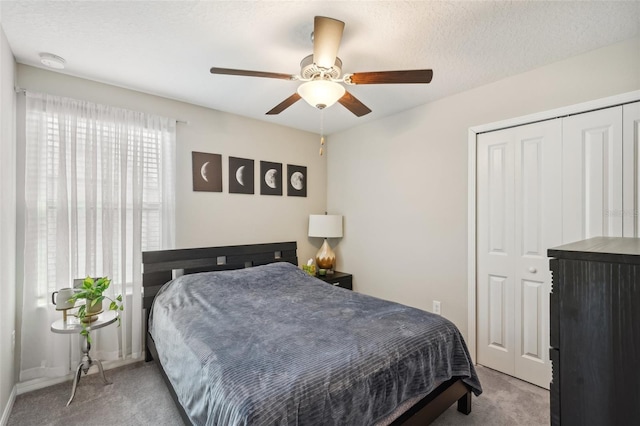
(138, 396)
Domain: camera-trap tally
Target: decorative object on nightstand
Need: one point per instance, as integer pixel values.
(325, 226)
(63, 301)
(310, 268)
(91, 290)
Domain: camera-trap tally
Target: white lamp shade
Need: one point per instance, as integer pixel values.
(321, 93)
(325, 225)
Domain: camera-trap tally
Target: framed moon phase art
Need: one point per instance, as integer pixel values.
(296, 181)
(241, 179)
(270, 178)
(207, 171)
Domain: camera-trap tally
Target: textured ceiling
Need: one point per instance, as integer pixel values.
(167, 47)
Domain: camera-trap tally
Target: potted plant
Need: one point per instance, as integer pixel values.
(92, 291)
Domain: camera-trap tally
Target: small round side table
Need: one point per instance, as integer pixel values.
(72, 326)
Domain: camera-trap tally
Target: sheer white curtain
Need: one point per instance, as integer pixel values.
(99, 190)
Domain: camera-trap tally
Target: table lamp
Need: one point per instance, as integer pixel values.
(325, 226)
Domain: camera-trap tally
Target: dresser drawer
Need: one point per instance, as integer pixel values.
(554, 355)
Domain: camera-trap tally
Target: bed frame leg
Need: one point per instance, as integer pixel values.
(464, 403)
(147, 355)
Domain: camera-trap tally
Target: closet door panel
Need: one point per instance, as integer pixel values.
(519, 218)
(592, 175)
(538, 225)
(631, 159)
(532, 339)
(495, 250)
(498, 330)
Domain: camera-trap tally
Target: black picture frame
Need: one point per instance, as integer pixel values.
(241, 176)
(296, 181)
(270, 178)
(207, 171)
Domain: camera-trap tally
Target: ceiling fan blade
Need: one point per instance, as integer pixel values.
(392, 77)
(231, 71)
(284, 104)
(327, 33)
(352, 103)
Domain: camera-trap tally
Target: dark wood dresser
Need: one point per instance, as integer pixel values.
(595, 332)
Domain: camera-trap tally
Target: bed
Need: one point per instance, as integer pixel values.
(244, 337)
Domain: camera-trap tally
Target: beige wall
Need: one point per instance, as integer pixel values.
(401, 182)
(7, 224)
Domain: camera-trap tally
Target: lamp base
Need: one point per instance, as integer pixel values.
(325, 258)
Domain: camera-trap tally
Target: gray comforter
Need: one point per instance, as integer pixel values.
(271, 345)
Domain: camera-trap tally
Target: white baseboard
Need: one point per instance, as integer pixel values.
(35, 384)
(7, 409)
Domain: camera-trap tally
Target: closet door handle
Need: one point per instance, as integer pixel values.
(532, 270)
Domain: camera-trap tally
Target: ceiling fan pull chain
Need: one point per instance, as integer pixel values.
(321, 132)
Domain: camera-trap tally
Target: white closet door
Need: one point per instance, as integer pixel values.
(592, 175)
(538, 226)
(519, 217)
(495, 251)
(631, 158)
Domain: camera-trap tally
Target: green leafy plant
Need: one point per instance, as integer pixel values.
(92, 291)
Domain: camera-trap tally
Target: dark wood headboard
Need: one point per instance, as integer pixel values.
(158, 266)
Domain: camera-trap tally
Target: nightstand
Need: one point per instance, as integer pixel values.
(339, 279)
(72, 326)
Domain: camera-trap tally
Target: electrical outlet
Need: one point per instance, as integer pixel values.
(436, 307)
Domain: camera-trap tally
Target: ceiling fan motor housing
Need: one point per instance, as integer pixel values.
(309, 70)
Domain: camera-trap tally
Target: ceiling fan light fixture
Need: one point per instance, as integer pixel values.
(321, 93)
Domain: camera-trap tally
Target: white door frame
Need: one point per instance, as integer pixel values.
(472, 186)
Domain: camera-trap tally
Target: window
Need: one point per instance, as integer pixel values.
(87, 172)
(99, 190)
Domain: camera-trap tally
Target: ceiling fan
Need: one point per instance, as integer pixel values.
(321, 71)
